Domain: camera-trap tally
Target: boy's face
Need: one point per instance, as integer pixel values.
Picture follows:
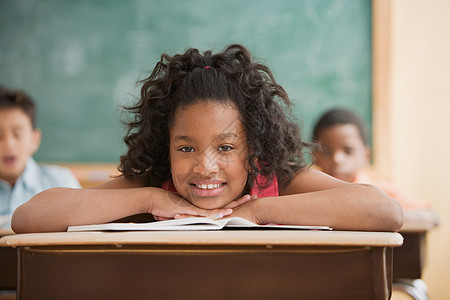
(208, 154)
(18, 142)
(343, 153)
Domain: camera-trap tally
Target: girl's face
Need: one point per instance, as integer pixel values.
(208, 154)
(343, 152)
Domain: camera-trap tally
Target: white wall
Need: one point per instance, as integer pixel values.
(419, 119)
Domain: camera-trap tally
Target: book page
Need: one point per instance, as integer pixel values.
(196, 223)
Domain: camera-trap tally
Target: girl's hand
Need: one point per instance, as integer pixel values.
(246, 211)
(167, 205)
(233, 204)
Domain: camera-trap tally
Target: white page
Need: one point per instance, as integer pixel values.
(198, 223)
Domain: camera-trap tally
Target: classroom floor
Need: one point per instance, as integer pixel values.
(397, 295)
(7, 295)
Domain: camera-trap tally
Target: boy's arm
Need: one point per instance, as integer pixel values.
(56, 209)
(314, 198)
(422, 218)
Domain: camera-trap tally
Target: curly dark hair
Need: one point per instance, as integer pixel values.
(273, 136)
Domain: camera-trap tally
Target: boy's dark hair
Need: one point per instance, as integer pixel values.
(339, 116)
(273, 138)
(18, 99)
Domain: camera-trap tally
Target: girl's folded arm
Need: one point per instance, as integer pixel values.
(57, 208)
(314, 198)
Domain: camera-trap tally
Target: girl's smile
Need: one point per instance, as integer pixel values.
(208, 153)
(208, 189)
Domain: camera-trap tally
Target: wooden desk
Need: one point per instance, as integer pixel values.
(8, 265)
(238, 264)
(409, 261)
(92, 174)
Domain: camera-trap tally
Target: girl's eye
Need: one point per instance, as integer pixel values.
(225, 148)
(186, 149)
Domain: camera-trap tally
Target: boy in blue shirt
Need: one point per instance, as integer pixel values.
(20, 176)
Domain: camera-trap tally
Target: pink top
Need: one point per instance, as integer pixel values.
(270, 191)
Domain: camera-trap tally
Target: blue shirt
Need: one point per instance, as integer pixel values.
(34, 179)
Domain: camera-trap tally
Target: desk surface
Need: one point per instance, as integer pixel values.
(222, 237)
(416, 228)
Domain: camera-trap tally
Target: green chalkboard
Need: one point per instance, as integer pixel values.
(80, 59)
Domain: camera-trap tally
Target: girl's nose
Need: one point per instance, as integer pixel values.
(206, 163)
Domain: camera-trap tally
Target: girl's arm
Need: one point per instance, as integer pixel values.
(57, 208)
(314, 198)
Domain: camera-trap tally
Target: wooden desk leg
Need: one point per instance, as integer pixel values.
(416, 288)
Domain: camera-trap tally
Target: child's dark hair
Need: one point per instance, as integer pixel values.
(339, 116)
(273, 139)
(18, 99)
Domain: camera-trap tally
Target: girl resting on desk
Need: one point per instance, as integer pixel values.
(211, 137)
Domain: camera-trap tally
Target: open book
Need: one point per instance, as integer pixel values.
(199, 223)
